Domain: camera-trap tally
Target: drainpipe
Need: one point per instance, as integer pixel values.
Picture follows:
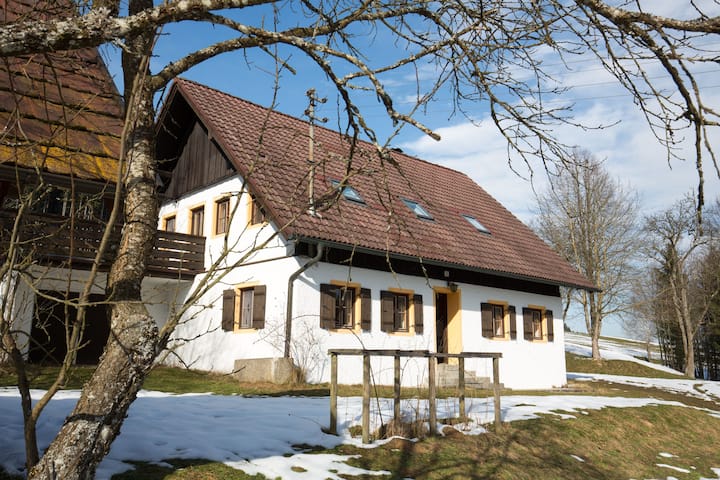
(291, 280)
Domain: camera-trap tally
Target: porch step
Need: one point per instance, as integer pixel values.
(447, 376)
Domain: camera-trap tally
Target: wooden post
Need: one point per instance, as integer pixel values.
(396, 399)
(461, 386)
(333, 393)
(431, 395)
(366, 399)
(496, 392)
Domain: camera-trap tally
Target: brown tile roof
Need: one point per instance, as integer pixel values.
(270, 150)
(59, 112)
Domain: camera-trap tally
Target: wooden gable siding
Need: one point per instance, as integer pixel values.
(200, 163)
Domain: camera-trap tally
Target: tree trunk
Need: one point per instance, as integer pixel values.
(32, 455)
(132, 346)
(690, 362)
(595, 325)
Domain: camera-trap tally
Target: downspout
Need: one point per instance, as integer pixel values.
(291, 280)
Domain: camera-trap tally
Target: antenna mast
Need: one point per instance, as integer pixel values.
(310, 112)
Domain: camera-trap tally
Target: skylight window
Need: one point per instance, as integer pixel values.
(476, 223)
(418, 209)
(348, 192)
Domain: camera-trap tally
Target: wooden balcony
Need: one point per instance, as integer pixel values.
(54, 240)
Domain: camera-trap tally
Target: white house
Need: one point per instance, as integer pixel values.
(311, 246)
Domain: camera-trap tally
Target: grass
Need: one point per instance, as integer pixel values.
(612, 443)
(578, 364)
(178, 380)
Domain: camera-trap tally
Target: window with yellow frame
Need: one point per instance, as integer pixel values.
(345, 306)
(538, 324)
(498, 320)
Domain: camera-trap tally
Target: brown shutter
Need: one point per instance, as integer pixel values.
(418, 309)
(258, 320)
(527, 324)
(228, 312)
(550, 328)
(513, 322)
(327, 306)
(365, 310)
(486, 319)
(387, 309)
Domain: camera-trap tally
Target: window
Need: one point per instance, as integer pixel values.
(344, 302)
(340, 307)
(243, 308)
(197, 221)
(169, 223)
(538, 324)
(417, 209)
(401, 312)
(348, 192)
(476, 223)
(246, 307)
(59, 201)
(257, 212)
(222, 215)
(498, 320)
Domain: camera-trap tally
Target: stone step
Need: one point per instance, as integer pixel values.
(447, 377)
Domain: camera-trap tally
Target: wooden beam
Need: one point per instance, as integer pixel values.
(333, 394)
(396, 396)
(461, 386)
(432, 394)
(366, 399)
(496, 392)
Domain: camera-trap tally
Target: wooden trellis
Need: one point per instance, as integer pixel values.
(432, 389)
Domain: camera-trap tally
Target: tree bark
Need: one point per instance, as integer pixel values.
(595, 324)
(87, 434)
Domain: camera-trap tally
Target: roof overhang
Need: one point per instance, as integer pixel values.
(440, 264)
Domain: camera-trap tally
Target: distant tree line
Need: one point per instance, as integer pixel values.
(660, 273)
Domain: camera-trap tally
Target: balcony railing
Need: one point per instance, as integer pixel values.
(57, 240)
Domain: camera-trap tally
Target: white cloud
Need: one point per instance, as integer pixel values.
(631, 151)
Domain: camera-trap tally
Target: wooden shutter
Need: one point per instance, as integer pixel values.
(228, 312)
(486, 319)
(418, 311)
(258, 320)
(327, 306)
(550, 327)
(527, 324)
(387, 310)
(365, 310)
(513, 322)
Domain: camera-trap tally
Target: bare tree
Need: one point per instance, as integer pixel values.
(473, 50)
(677, 246)
(641, 323)
(590, 219)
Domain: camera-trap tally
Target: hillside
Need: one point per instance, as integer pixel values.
(618, 425)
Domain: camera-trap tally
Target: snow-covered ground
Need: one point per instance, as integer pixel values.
(257, 434)
(612, 350)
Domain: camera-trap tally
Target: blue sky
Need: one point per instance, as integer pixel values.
(630, 151)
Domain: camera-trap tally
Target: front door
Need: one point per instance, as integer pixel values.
(441, 325)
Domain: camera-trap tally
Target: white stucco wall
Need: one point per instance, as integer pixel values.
(524, 365)
(200, 342)
(159, 294)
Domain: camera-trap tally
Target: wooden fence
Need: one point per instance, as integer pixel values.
(432, 390)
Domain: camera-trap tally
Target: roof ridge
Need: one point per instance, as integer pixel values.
(391, 150)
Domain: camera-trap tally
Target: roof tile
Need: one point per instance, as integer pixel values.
(270, 150)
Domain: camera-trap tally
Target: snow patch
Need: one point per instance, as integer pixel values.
(671, 467)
